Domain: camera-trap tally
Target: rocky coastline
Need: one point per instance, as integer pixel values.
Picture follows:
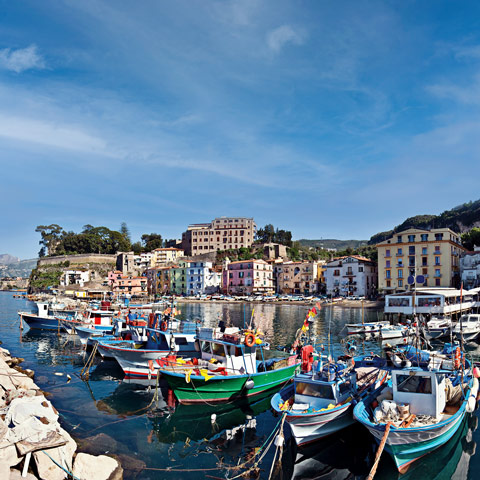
(33, 444)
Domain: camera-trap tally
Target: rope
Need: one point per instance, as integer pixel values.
(84, 373)
(379, 452)
(59, 466)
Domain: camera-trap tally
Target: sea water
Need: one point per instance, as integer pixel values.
(160, 440)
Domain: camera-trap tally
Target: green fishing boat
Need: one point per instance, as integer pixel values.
(232, 366)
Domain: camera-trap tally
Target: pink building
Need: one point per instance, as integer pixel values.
(246, 277)
(127, 284)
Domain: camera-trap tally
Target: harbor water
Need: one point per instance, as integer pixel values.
(155, 439)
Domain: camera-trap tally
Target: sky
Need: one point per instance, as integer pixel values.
(328, 119)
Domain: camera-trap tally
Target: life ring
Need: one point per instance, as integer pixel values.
(457, 358)
(250, 340)
(163, 326)
(151, 320)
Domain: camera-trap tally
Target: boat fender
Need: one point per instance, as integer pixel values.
(457, 358)
(249, 384)
(476, 372)
(279, 440)
(472, 399)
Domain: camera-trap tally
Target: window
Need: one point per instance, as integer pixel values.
(411, 238)
(360, 269)
(437, 260)
(424, 237)
(388, 264)
(388, 283)
(424, 261)
(437, 249)
(400, 282)
(437, 272)
(399, 239)
(400, 274)
(411, 250)
(336, 273)
(414, 384)
(387, 253)
(424, 250)
(399, 251)
(387, 274)
(439, 236)
(437, 282)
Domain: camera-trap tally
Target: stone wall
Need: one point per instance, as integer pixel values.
(78, 259)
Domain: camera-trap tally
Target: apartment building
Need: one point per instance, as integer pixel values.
(162, 256)
(178, 278)
(128, 284)
(297, 277)
(245, 277)
(143, 261)
(429, 255)
(470, 269)
(202, 279)
(158, 280)
(351, 275)
(220, 234)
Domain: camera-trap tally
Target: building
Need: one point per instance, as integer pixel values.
(433, 255)
(126, 262)
(75, 277)
(246, 277)
(129, 285)
(220, 234)
(202, 279)
(273, 251)
(158, 281)
(470, 269)
(143, 261)
(351, 275)
(178, 279)
(297, 277)
(162, 256)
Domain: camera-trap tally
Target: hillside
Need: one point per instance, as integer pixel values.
(6, 259)
(332, 243)
(20, 268)
(460, 219)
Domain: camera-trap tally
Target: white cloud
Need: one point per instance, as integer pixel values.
(21, 59)
(278, 38)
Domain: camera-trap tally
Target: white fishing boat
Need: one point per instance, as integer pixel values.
(468, 326)
(439, 327)
(389, 332)
(364, 328)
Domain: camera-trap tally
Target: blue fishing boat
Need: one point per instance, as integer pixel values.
(321, 399)
(423, 406)
(47, 315)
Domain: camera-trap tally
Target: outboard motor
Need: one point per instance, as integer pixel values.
(222, 326)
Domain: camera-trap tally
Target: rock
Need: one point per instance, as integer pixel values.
(98, 445)
(87, 467)
(4, 470)
(17, 475)
(9, 457)
(47, 470)
(131, 465)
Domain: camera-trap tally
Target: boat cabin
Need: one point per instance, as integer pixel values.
(321, 390)
(470, 320)
(423, 391)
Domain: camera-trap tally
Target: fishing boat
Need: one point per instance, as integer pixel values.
(138, 355)
(367, 327)
(321, 399)
(389, 332)
(228, 369)
(468, 326)
(47, 315)
(423, 406)
(437, 328)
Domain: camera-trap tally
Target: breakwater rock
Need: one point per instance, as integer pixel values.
(31, 438)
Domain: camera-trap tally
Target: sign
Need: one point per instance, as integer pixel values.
(420, 279)
(410, 280)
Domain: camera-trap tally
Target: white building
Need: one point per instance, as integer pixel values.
(470, 269)
(351, 276)
(75, 277)
(201, 279)
(143, 261)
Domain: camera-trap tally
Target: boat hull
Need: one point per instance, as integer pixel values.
(219, 388)
(40, 323)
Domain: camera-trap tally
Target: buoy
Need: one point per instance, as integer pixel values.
(213, 417)
(279, 440)
(476, 372)
(249, 384)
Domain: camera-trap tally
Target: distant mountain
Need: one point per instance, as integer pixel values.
(22, 268)
(6, 259)
(460, 219)
(332, 243)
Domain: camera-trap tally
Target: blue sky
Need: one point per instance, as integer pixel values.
(329, 119)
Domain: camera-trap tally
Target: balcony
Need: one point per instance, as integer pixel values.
(400, 265)
(438, 275)
(399, 255)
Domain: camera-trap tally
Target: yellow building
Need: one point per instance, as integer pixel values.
(434, 254)
(162, 256)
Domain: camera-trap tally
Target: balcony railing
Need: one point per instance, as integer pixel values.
(399, 254)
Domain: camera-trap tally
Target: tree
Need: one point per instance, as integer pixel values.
(471, 239)
(51, 236)
(125, 231)
(151, 241)
(137, 248)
